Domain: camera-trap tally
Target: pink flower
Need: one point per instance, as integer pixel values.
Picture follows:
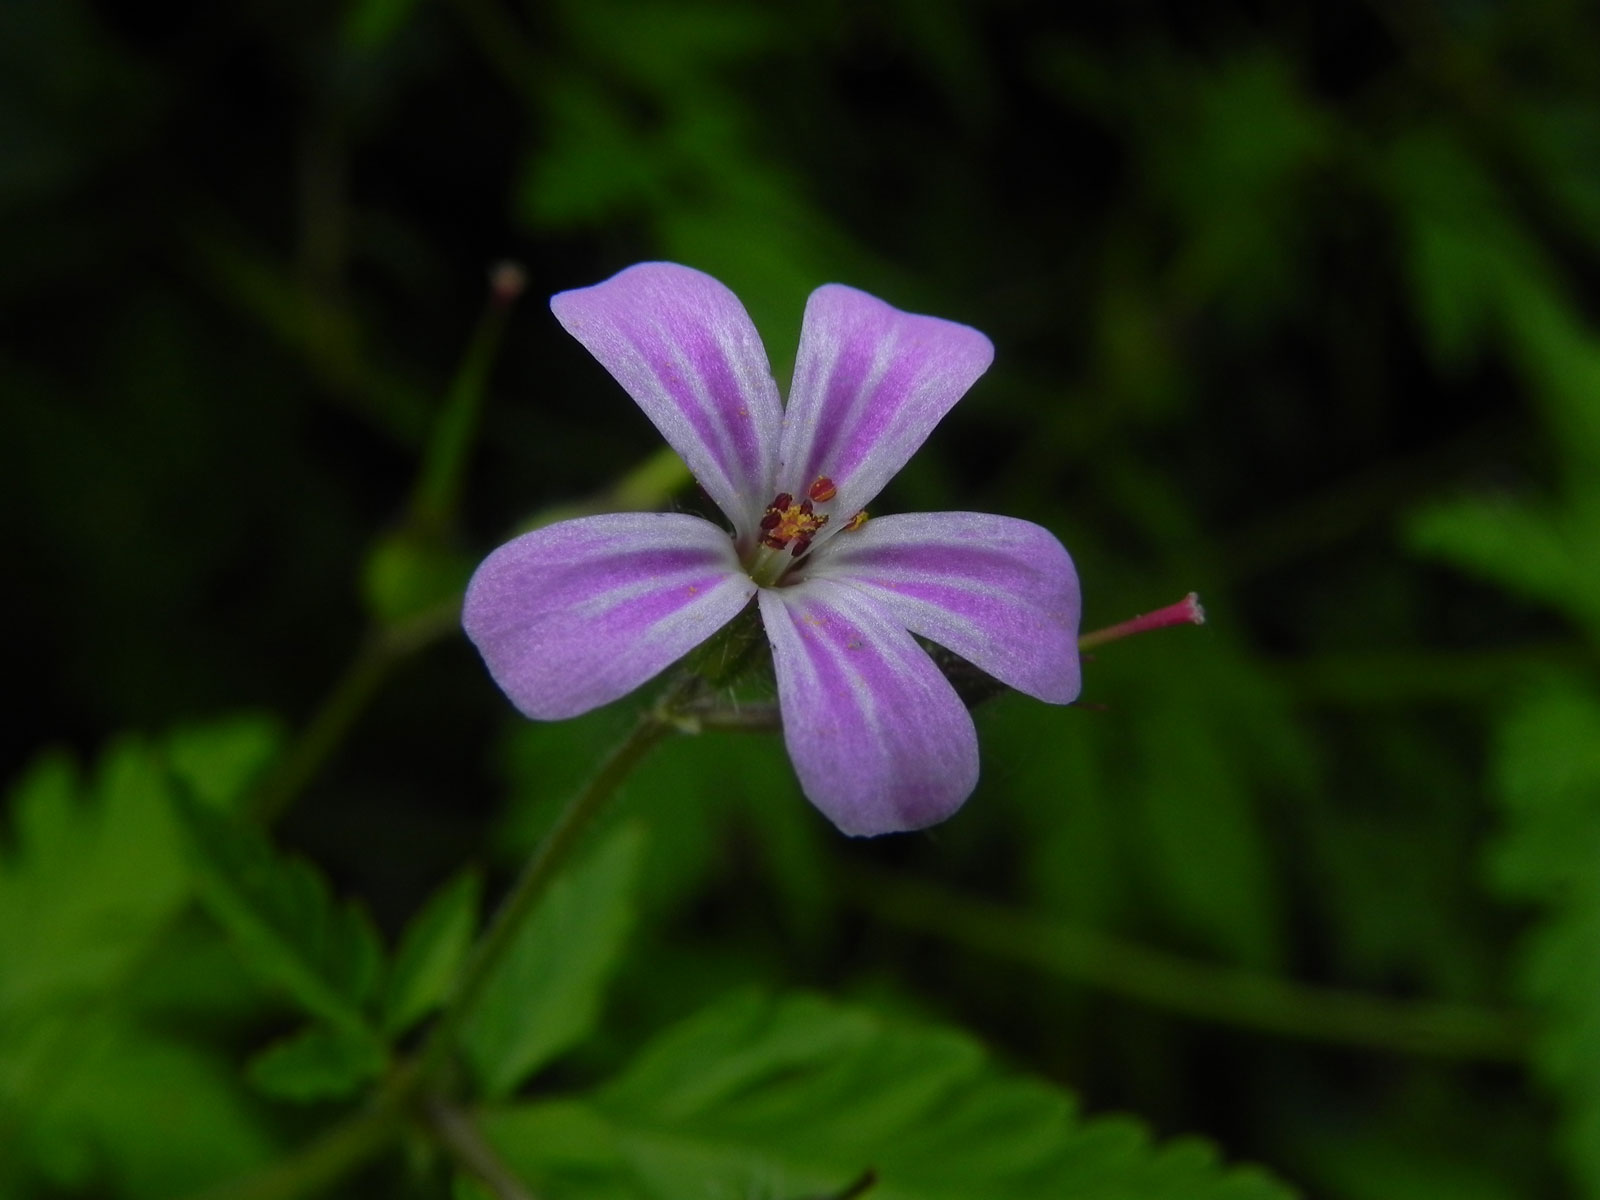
(580, 613)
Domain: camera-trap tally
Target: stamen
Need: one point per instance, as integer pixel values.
(855, 522)
(822, 490)
(784, 522)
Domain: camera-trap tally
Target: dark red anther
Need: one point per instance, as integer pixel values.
(801, 545)
(822, 490)
(805, 507)
(774, 543)
(772, 518)
(780, 502)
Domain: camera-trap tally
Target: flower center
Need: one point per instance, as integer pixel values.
(785, 522)
(788, 525)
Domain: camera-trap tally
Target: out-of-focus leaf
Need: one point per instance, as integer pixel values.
(1537, 553)
(708, 801)
(137, 1113)
(93, 876)
(1233, 152)
(368, 24)
(90, 882)
(546, 994)
(1391, 1164)
(798, 1096)
(1479, 277)
(285, 923)
(1548, 782)
(219, 760)
(1462, 244)
(407, 573)
(431, 952)
(1184, 838)
(318, 1063)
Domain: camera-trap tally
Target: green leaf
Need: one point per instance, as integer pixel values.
(318, 1063)
(407, 574)
(1525, 548)
(220, 760)
(547, 994)
(137, 1113)
(94, 875)
(799, 1096)
(431, 952)
(370, 24)
(1549, 854)
(91, 881)
(284, 922)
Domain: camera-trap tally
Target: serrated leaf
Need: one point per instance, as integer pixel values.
(219, 760)
(431, 952)
(137, 1111)
(89, 880)
(284, 921)
(547, 994)
(799, 1096)
(318, 1063)
(1549, 854)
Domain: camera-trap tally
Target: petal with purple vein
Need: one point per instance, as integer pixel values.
(1000, 592)
(683, 347)
(877, 735)
(580, 613)
(870, 383)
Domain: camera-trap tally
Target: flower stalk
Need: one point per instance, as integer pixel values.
(540, 872)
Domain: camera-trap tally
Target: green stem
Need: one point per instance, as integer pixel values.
(438, 487)
(540, 871)
(343, 706)
(366, 1134)
(1203, 991)
(458, 1133)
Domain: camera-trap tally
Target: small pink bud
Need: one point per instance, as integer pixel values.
(1185, 612)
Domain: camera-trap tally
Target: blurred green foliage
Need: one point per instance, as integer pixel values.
(1292, 306)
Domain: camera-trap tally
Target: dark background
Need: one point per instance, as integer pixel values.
(1291, 304)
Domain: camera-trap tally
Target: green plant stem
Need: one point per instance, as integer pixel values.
(444, 462)
(338, 712)
(409, 1096)
(458, 1133)
(1202, 991)
(540, 871)
(649, 485)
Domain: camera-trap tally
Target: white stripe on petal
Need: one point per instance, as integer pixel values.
(684, 348)
(580, 613)
(1000, 592)
(877, 735)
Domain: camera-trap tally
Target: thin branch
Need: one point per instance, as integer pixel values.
(458, 1133)
(1202, 991)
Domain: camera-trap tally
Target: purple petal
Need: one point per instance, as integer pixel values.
(1001, 593)
(580, 613)
(870, 383)
(684, 348)
(878, 736)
